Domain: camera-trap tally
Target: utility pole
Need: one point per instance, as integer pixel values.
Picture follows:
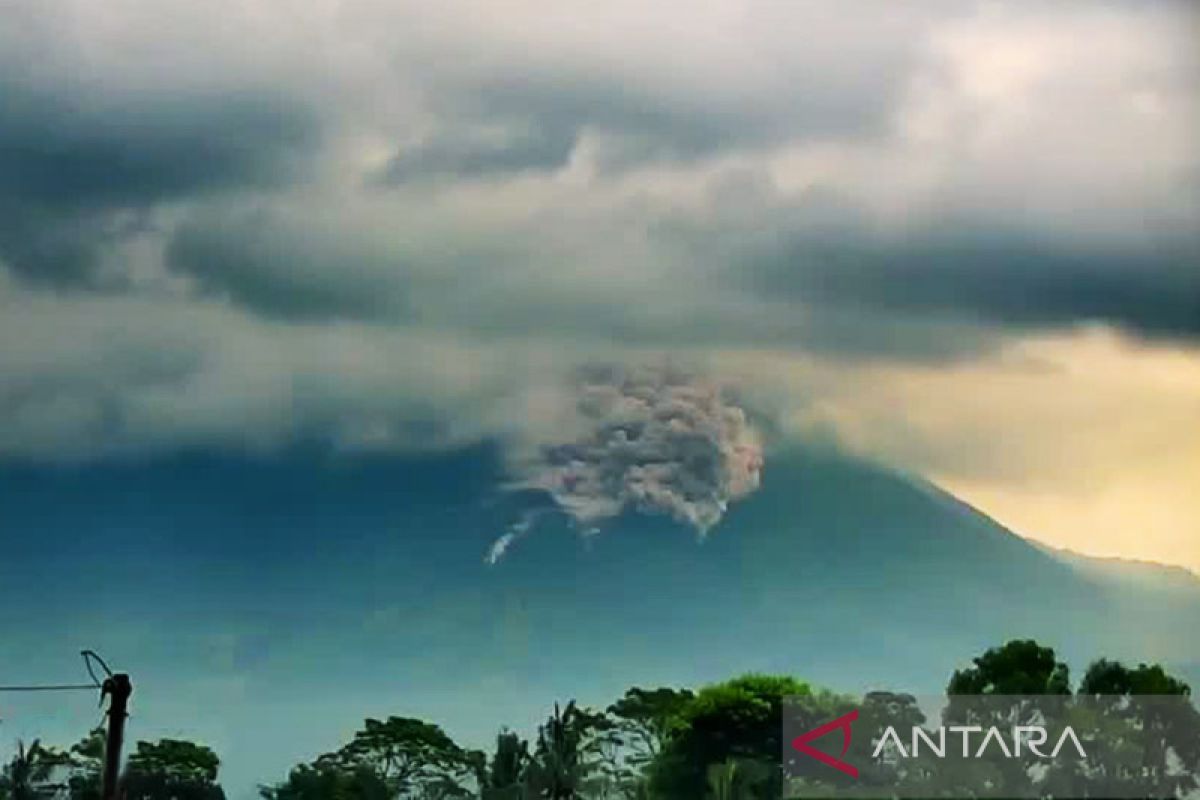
(118, 687)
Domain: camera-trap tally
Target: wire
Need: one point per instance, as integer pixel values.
(88, 656)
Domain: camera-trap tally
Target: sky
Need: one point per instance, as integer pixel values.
(614, 254)
(961, 238)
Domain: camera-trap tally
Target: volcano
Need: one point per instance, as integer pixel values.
(266, 605)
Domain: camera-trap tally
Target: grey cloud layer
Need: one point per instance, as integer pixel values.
(92, 377)
(900, 181)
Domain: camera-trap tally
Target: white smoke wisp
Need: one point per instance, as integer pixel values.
(658, 441)
(500, 547)
(506, 540)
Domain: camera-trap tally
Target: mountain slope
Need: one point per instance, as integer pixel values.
(845, 572)
(268, 605)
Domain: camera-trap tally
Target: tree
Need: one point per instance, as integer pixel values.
(1021, 666)
(172, 769)
(565, 756)
(505, 776)
(646, 716)
(736, 779)
(1145, 728)
(1104, 677)
(327, 781)
(407, 755)
(396, 757)
(29, 775)
(1014, 684)
(86, 766)
(639, 723)
(879, 710)
(735, 721)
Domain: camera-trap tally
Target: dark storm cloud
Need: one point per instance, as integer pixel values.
(285, 271)
(75, 152)
(70, 160)
(1015, 280)
(52, 246)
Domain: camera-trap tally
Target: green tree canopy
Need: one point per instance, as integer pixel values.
(1114, 678)
(406, 753)
(172, 769)
(396, 757)
(646, 717)
(734, 722)
(325, 781)
(1021, 666)
(1143, 723)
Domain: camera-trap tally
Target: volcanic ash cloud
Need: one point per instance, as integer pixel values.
(652, 440)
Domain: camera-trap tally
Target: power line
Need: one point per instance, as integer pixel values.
(88, 657)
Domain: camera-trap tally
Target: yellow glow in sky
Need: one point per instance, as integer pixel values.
(1087, 440)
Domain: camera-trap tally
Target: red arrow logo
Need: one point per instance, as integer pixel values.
(800, 743)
